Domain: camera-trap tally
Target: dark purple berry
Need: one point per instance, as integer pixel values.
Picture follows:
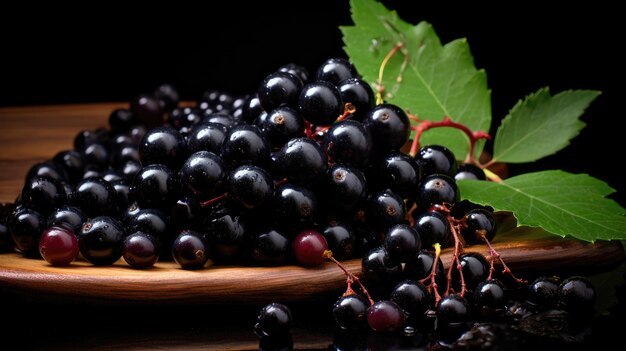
(190, 250)
(385, 316)
(141, 250)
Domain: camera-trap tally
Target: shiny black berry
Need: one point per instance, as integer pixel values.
(274, 320)
(453, 310)
(303, 160)
(163, 145)
(250, 186)
(320, 103)
(350, 312)
(100, 240)
(348, 142)
(279, 89)
(389, 126)
(335, 70)
(479, 225)
(203, 175)
(437, 189)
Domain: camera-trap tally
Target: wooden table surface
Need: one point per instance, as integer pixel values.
(33, 134)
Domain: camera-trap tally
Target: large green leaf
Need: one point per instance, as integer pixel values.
(559, 202)
(541, 125)
(438, 80)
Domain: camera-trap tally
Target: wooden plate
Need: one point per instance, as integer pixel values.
(168, 283)
(34, 134)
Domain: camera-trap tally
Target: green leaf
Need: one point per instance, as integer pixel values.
(541, 125)
(438, 80)
(559, 202)
(510, 231)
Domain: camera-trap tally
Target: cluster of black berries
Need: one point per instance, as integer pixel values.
(308, 168)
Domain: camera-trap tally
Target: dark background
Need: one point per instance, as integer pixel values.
(69, 55)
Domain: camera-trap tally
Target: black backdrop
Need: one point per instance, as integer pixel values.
(78, 54)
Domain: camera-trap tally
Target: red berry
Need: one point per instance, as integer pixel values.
(385, 316)
(309, 247)
(58, 246)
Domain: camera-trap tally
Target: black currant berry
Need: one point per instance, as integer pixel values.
(437, 189)
(274, 320)
(270, 247)
(141, 250)
(436, 159)
(43, 194)
(452, 310)
(26, 226)
(303, 160)
(155, 186)
(163, 145)
(297, 70)
(343, 188)
(294, 205)
(70, 217)
(401, 242)
(206, 137)
(475, 269)
(245, 144)
(320, 103)
(358, 93)
(94, 196)
(544, 292)
(389, 126)
(469, 171)
(203, 175)
(350, 312)
(281, 125)
(577, 296)
(335, 70)
(412, 296)
(340, 240)
(489, 297)
(250, 186)
(348, 142)
(385, 209)
(227, 235)
(379, 270)
(190, 250)
(479, 225)
(433, 227)
(100, 240)
(279, 89)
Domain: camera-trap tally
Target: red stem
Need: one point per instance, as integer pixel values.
(348, 109)
(213, 200)
(433, 275)
(455, 259)
(350, 277)
(447, 122)
(495, 255)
